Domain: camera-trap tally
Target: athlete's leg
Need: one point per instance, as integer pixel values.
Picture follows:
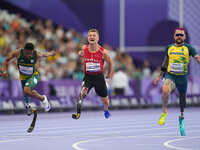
(102, 91)
(182, 88)
(86, 86)
(32, 93)
(167, 87)
(182, 102)
(105, 101)
(26, 99)
(30, 83)
(83, 94)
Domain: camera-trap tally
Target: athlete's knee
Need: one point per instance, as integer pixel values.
(84, 92)
(165, 94)
(27, 91)
(166, 90)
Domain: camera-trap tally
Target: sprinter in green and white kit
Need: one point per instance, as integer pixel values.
(29, 76)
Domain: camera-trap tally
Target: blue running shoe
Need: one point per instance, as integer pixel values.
(181, 125)
(106, 114)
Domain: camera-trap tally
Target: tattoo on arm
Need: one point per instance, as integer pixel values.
(164, 65)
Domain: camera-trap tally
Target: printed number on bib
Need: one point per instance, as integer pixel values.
(26, 70)
(93, 67)
(176, 67)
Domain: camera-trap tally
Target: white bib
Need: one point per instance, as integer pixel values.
(93, 67)
(177, 67)
(26, 70)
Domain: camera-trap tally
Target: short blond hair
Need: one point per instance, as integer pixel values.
(94, 30)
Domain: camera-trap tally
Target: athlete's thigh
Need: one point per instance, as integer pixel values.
(169, 83)
(86, 85)
(32, 81)
(181, 84)
(100, 87)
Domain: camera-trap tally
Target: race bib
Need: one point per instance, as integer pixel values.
(177, 67)
(26, 70)
(93, 67)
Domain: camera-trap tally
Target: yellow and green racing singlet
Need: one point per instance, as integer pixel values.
(179, 57)
(26, 66)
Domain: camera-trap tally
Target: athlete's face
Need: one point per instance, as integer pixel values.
(179, 36)
(28, 53)
(93, 37)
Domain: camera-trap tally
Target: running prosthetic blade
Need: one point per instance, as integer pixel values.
(30, 129)
(181, 126)
(77, 116)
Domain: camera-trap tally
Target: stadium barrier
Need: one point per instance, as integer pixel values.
(63, 95)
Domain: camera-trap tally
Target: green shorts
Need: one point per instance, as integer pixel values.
(30, 82)
(179, 80)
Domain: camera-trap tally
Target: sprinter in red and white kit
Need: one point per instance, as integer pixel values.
(94, 56)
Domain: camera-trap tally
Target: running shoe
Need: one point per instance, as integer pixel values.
(161, 121)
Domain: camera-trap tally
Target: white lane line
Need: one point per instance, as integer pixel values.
(168, 143)
(12, 140)
(77, 147)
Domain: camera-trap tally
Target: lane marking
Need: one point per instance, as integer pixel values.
(168, 143)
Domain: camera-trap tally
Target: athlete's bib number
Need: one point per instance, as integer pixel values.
(177, 67)
(26, 70)
(93, 67)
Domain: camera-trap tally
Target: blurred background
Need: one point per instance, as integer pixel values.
(134, 31)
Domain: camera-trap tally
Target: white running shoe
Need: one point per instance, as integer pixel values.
(46, 104)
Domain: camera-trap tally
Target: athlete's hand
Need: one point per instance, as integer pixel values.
(109, 76)
(80, 53)
(4, 74)
(53, 53)
(157, 80)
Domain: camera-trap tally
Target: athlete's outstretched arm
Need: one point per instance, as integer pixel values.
(10, 56)
(163, 69)
(197, 58)
(46, 54)
(108, 59)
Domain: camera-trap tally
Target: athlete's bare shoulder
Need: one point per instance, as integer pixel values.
(105, 52)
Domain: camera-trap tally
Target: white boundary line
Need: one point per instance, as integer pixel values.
(76, 145)
(167, 143)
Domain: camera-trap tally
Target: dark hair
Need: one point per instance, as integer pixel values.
(179, 28)
(29, 46)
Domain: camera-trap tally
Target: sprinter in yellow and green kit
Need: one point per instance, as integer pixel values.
(29, 76)
(175, 68)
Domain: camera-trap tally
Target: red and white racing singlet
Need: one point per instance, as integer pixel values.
(93, 62)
